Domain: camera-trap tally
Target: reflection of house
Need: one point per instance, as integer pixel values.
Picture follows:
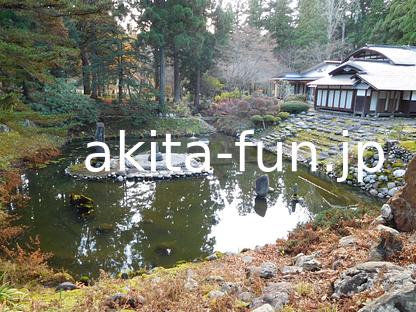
(298, 80)
(374, 80)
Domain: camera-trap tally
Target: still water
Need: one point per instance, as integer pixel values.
(158, 223)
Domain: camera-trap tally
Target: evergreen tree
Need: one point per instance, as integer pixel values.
(279, 23)
(399, 26)
(255, 13)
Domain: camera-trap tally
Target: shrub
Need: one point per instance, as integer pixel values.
(256, 119)
(283, 115)
(61, 98)
(181, 109)
(269, 118)
(294, 107)
(210, 85)
(296, 97)
(226, 96)
(10, 102)
(247, 107)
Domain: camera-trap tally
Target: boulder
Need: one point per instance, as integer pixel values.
(124, 301)
(215, 294)
(66, 286)
(291, 269)
(268, 270)
(275, 294)
(264, 308)
(246, 296)
(307, 263)
(4, 128)
(230, 287)
(388, 245)
(386, 212)
(364, 275)
(403, 203)
(190, 284)
(396, 300)
(347, 241)
(28, 123)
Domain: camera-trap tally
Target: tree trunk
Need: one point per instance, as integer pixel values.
(120, 77)
(86, 79)
(197, 96)
(156, 71)
(94, 90)
(162, 80)
(176, 78)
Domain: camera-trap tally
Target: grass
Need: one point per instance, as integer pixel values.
(23, 147)
(409, 145)
(304, 289)
(10, 298)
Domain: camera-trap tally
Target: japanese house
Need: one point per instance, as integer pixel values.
(298, 81)
(374, 80)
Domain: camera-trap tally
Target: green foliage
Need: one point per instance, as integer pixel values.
(211, 85)
(31, 46)
(61, 98)
(409, 145)
(269, 118)
(226, 96)
(181, 109)
(332, 217)
(10, 102)
(294, 107)
(296, 97)
(10, 297)
(283, 115)
(400, 22)
(256, 119)
(279, 22)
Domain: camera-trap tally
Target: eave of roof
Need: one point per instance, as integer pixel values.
(398, 55)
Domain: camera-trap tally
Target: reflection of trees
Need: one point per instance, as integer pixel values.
(237, 186)
(177, 225)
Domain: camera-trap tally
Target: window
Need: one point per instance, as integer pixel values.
(382, 95)
(324, 96)
(331, 98)
(343, 97)
(319, 98)
(349, 100)
(361, 92)
(336, 98)
(406, 95)
(374, 99)
(413, 95)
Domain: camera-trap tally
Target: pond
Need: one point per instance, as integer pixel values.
(157, 223)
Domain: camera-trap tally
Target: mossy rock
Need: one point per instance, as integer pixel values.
(83, 204)
(86, 280)
(56, 279)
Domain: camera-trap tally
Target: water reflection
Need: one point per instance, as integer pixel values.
(138, 224)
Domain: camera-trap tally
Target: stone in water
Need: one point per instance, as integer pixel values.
(262, 185)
